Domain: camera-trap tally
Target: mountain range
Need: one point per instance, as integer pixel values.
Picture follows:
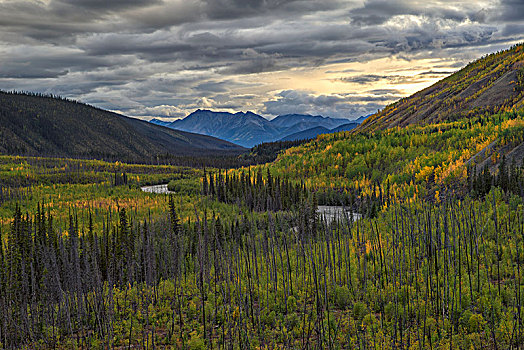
(39, 125)
(32, 124)
(249, 129)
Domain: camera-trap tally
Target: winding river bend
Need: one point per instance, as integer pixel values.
(331, 213)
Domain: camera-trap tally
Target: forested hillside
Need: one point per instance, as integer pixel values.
(47, 126)
(415, 161)
(415, 150)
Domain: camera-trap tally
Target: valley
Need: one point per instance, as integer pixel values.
(405, 231)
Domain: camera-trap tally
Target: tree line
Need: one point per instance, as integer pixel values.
(260, 192)
(508, 177)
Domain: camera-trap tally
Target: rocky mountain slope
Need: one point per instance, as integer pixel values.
(491, 84)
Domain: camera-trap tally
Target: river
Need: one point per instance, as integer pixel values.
(331, 213)
(156, 189)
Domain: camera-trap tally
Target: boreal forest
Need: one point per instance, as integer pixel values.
(406, 232)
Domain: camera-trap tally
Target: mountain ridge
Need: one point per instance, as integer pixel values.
(489, 84)
(37, 125)
(249, 129)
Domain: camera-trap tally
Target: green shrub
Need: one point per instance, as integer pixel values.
(186, 186)
(291, 304)
(369, 320)
(196, 343)
(292, 320)
(342, 297)
(464, 319)
(269, 319)
(476, 323)
(359, 310)
(431, 324)
(466, 299)
(389, 311)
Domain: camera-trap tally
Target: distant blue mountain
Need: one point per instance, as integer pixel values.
(306, 134)
(314, 132)
(361, 119)
(249, 129)
(245, 129)
(345, 127)
(288, 120)
(159, 122)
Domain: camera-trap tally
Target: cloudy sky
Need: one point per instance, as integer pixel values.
(167, 58)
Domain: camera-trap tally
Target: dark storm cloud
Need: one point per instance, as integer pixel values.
(391, 79)
(363, 79)
(27, 20)
(513, 29)
(227, 9)
(230, 9)
(253, 62)
(52, 62)
(385, 92)
(252, 67)
(105, 5)
(169, 56)
(212, 86)
(376, 12)
(510, 11)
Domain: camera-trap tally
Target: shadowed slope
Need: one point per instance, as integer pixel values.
(36, 125)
